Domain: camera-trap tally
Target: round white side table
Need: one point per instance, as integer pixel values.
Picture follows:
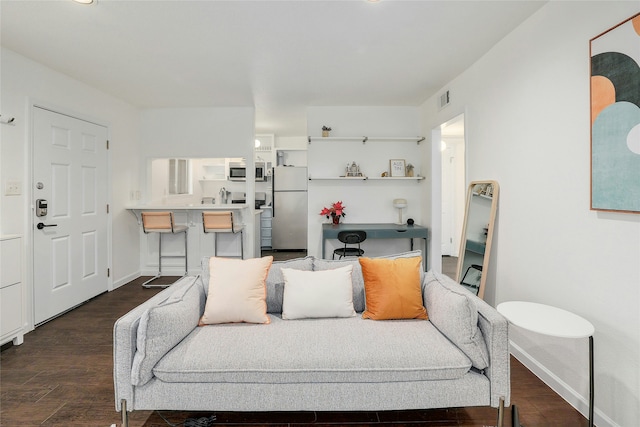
(555, 322)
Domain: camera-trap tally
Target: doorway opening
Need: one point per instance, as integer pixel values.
(452, 149)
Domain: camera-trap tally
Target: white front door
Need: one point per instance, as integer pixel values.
(70, 241)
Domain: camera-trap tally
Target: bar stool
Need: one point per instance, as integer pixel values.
(163, 223)
(222, 222)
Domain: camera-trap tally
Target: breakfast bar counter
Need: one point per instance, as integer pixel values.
(199, 243)
(136, 209)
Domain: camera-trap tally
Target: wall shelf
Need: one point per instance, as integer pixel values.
(365, 139)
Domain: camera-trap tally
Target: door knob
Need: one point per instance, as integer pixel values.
(43, 225)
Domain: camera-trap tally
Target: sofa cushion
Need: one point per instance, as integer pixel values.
(452, 310)
(275, 280)
(314, 350)
(317, 294)
(163, 326)
(356, 277)
(237, 291)
(392, 288)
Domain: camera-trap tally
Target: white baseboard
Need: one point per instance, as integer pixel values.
(124, 280)
(572, 397)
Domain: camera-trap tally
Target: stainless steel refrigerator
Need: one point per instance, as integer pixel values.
(289, 226)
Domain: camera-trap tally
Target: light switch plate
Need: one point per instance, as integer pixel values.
(13, 188)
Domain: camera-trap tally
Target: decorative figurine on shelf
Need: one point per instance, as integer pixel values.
(325, 131)
(352, 170)
(409, 169)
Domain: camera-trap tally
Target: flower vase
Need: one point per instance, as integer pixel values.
(336, 219)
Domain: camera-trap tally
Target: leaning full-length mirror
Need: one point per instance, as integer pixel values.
(477, 233)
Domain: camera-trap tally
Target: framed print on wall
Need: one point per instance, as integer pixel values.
(397, 167)
(615, 118)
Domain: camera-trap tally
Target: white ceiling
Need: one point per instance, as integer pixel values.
(279, 56)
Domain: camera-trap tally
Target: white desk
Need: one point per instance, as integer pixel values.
(555, 322)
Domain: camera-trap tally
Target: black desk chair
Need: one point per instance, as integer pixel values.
(353, 237)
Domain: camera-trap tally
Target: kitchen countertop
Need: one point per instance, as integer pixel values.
(192, 206)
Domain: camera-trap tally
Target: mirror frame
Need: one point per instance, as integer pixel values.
(491, 224)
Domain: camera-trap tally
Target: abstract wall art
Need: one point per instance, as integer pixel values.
(615, 118)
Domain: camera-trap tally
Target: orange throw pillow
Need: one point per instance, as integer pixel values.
(392, 288)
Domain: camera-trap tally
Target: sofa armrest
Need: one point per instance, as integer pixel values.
(495, 329)
(474, 326)
(125, 338)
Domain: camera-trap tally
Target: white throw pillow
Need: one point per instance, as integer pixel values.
(237, 291)
(315, 294)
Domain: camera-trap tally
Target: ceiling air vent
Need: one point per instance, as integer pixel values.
(444, 100)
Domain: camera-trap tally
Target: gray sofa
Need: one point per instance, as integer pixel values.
(164, 361)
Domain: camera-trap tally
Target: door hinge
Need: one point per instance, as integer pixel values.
(107, 208)
(108, 272)
(107, 144)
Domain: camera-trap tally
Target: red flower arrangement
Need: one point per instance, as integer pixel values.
(335, 211)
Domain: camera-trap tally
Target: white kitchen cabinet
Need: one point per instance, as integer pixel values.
(264, 152)
(265, 227)
(11, 322)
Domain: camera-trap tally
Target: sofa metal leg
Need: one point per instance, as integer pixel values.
(515, 417)
(501, 413)
(125, 414)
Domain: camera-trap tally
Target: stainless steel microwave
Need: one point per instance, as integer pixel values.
(238, 171)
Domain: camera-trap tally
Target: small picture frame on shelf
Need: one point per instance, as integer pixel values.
(397, 167)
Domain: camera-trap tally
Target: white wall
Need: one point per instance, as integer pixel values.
(24, 82)
(366, 201)
(198, 133)
(527, 126)
(195, 132)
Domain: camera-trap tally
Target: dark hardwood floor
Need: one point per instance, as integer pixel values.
(63, 376)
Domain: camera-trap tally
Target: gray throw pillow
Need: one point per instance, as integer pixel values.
(452, 311)
(163, 326)
(275, 280)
